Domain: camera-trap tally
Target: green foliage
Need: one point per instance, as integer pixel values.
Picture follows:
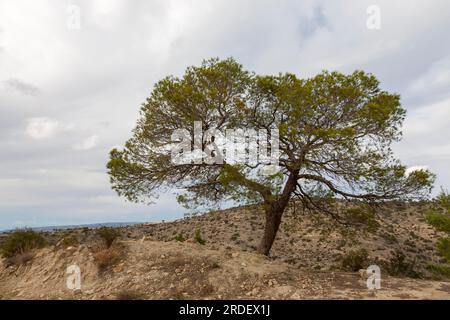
(443, 247)
(198, 237)
(22, 241)
(443, 199)
(439, 269)
(355, 260)
(399, 265)
(440, 221)
(335, 133)
(179, 237)
(338, 112)
(359, 216)
(108, 235)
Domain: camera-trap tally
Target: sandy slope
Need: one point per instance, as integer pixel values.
(161, 270)
(304, 263)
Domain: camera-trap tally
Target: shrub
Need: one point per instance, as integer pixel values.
(439, 220)
(198, 238)
(389, 237)
(22, 241)
(355, 260)
(399, 265)
(108, 257)
(20, 258)
(439, 270)
(359, 216)
(443, 199)
(108, 235)
(180, 238)
(443, 247)
(69, 241)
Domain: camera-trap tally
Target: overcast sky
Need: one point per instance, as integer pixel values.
(70, 92)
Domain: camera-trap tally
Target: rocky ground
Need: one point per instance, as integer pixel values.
(165, 261)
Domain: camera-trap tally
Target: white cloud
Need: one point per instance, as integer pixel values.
(102, 72)
(87, 143)
(20, 86)
(41, 128)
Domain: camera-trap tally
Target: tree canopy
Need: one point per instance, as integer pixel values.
(334, 137)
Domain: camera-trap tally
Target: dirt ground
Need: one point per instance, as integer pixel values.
(304, 264)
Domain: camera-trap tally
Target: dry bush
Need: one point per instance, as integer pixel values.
(20, 258)
(70, 241)
(108, 235)
(355, 260)
(108, 257)
(19, 246)
(21, 241)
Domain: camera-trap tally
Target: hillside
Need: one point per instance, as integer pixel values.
(306, 260)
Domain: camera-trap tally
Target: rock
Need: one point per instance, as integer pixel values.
(235, 255)
(272, 282)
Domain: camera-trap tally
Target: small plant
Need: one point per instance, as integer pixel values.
(69, 241)
(440, 270)
(359, 216)
(22, 241)
(20, 258)
(355, 260)
(399, 265)
(198, 237)
(389, 237)
(108, 235)
(443, 199)
(106, 258)
(443, 247)
(440, 221)
(180, 238)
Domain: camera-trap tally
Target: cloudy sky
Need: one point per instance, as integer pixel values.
(74, 73)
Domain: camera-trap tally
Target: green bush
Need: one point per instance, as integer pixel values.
(439, 269)
(108, 235)
(355, 260)
(361, 217)
(180, 238)
(443, 247)
(198, 238)
(443, 199)
(399, 265)
(439, 220)
(22, 241)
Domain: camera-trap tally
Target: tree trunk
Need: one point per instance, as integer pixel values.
(273, 219)
(274, 212)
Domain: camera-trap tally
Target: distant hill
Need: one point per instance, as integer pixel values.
(80, 226)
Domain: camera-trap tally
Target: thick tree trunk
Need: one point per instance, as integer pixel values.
(273, 220)
(274, 212)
